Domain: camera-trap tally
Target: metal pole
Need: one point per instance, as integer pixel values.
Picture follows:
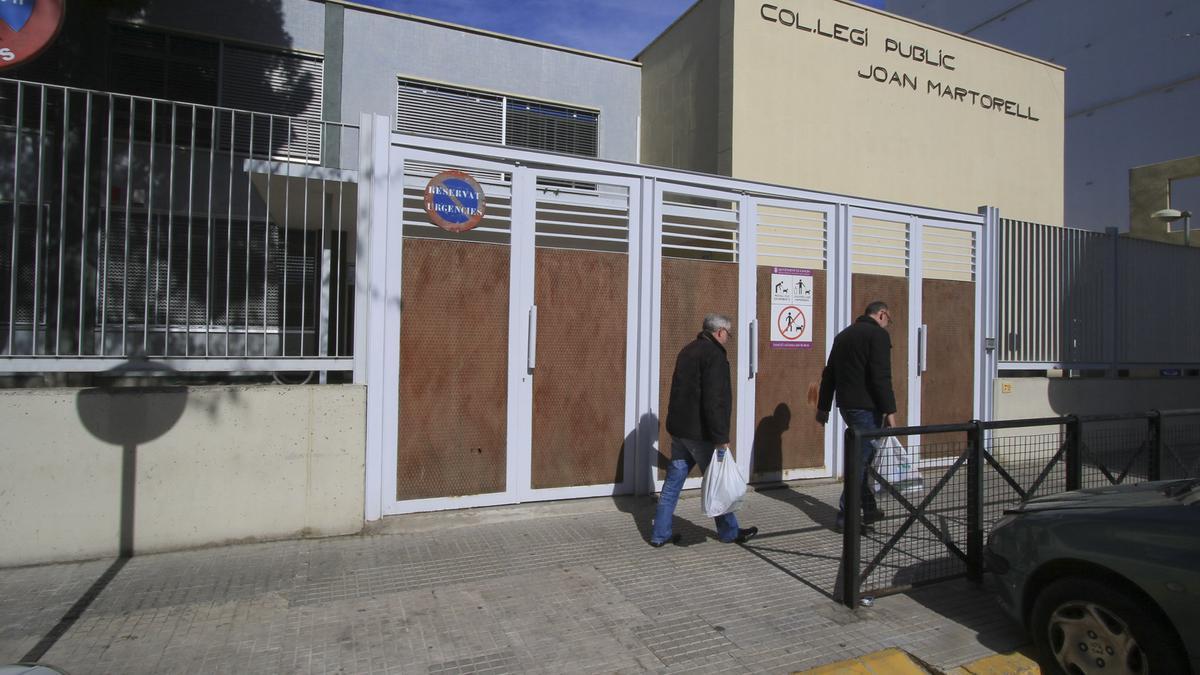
(1155, 446)
(1074, 465)
(975, 502)
(852, 488)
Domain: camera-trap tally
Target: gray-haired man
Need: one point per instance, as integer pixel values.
(698, 421)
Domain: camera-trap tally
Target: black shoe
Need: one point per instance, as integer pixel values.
(745, 535)
(873, 516)
(862, 529)
(675, 538)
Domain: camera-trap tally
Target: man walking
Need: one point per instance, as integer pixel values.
(859, 372)
(698, 421)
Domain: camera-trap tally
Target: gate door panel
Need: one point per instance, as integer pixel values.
(581, 411)
(880, 270)
(950, 301)
(792, 288)
(453, 430)
(700, 252)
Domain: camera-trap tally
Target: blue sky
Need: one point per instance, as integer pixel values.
(614, 27)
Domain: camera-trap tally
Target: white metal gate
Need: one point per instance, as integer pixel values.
(670, 247)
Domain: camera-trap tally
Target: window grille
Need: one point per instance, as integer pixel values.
(701, 228)
(549, 127)
(879, 247)
(792, 237)
(583, 216)
(426, 109)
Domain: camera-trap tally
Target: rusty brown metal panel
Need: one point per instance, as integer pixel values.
(867, 288)
(786, 434)
(690, 290)
(579, 384)
(453, 369)
(948, 384)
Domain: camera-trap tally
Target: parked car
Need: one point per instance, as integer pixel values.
(1106, 580)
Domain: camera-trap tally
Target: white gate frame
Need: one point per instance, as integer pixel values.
(377, 318)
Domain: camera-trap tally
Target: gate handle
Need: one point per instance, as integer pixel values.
(922, 348)
(753, 348)
(532, 355)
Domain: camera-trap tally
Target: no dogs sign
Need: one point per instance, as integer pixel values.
(791, 308)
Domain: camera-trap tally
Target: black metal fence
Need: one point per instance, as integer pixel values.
(938, 489)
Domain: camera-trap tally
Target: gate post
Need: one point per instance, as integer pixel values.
(1155, 444)
(1074, 463)
(975, 502)
(852, 512)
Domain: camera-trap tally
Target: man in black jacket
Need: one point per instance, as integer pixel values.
(698, 421)
(859, 372)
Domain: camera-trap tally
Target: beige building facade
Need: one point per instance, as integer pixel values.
(834, 96)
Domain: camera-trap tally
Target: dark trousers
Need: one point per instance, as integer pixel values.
(865, 420)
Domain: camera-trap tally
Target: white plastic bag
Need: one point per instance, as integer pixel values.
(897, 466)
(724, 486)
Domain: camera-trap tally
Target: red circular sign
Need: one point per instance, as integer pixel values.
(26, 28)
(454, 201)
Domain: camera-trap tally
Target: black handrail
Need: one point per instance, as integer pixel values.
(1071, 455)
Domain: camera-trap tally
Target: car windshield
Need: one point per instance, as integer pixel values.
(1187, 492)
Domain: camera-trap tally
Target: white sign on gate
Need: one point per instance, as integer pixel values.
(791, 308)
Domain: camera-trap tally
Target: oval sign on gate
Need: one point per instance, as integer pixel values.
(26, 28)
(454, 201)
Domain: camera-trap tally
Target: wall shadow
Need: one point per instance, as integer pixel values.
(125, 417)
(768, 441)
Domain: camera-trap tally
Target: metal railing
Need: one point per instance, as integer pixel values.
(1080, 299)
(211, 238)
(934, 528)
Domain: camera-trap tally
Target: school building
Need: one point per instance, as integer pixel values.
(284, 269)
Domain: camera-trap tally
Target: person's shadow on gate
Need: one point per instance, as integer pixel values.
(768, 461)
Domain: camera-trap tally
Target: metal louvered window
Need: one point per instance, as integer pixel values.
(280, 85)
(163, 65)
(551, 127)
(427, 109)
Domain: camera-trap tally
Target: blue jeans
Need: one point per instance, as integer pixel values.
(866, 420)
(684, 455)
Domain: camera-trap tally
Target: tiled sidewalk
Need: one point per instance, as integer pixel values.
(554, 588)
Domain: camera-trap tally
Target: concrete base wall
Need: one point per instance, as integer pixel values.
(85, 470)
(1024, 397)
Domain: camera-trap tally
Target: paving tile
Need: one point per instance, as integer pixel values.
(574, 593)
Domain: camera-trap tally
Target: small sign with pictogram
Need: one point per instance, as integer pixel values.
(791, 308)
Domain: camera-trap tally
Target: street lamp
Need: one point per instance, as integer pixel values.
(1169, 216)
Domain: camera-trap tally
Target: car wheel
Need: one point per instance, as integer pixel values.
(1084, 626)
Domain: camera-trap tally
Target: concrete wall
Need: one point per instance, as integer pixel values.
(1150, 190)
(379, 48)
(212, 465)
(288, 24)
(1027, 397)
(834, 96)
(687, 92)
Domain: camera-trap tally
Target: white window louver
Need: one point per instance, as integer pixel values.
(427, 110)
